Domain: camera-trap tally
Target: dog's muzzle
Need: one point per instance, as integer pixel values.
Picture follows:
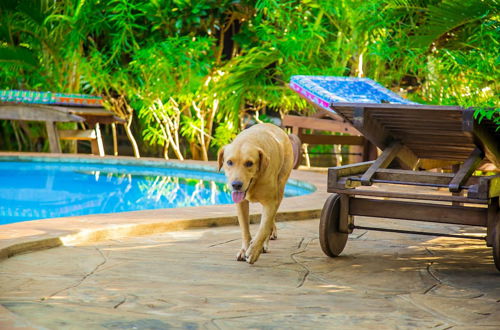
(237, 195)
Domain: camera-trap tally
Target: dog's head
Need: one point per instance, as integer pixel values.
(242, 165)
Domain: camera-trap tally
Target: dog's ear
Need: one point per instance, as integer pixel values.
(220, 158)
(264, 160)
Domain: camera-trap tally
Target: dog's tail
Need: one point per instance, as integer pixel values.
(297, 150)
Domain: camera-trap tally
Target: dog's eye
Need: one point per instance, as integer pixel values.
(230, 163)
(249, 164)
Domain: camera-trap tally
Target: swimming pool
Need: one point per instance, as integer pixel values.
(44, 187)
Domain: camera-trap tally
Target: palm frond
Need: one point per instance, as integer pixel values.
(19, 56)
(444, 19)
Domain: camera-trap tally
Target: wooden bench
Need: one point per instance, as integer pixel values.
(322, 121)
(415, 139)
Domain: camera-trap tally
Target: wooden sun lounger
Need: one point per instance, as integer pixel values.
(413, 139)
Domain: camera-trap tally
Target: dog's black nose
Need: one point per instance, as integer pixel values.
(237, 185)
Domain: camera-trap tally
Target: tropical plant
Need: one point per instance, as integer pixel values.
(193, 72)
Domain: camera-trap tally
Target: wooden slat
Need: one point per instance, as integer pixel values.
(370, 128)
(379, 136)
(332, 139)
(86, 111)
(443, 151)
(91, 119)
(405, 133)
(423, 146)
(416, 114)
(462, 215)
(76, 134)
(437, 148)
(322, 113)
(319, 124)
(432, 162)
(423, 177)
(463, 152)
(428, 127)
(437, 134)
(419, 116)
(36, 112)
(335, 173)
(382, 161)
(416, 196)
(395, 175)
(466, 170)
(456, 157)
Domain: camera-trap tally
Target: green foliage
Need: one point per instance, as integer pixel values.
(191, 69)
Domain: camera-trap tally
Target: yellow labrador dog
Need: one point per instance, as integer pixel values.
(257, 165)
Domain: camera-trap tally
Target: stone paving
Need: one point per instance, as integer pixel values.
(190, 279)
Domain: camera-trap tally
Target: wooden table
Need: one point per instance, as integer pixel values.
(52, 114)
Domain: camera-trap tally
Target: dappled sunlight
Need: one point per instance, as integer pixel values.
(261, 299)
(422, 250)
(378, 253)
(57, 297)
(185, 235)
(332, 288)
(448, 242)
(137, 247)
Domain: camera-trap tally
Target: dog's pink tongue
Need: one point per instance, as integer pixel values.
(238, 196)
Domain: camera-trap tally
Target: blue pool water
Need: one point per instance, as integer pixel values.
(32, 190)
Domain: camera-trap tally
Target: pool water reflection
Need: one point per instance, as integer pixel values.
(37, 190)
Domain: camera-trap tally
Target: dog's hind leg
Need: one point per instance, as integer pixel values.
(274, 233)
(244, 220)
(281, 193)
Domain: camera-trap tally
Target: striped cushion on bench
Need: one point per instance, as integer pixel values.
(33, 97)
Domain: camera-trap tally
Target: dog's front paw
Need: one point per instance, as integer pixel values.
(253, 253)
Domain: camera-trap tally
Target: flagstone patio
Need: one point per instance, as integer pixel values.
(177, 268)
(190, 279)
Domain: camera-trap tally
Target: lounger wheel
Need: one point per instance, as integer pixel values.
(297, 150)
(332, 241)
(496, 245)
